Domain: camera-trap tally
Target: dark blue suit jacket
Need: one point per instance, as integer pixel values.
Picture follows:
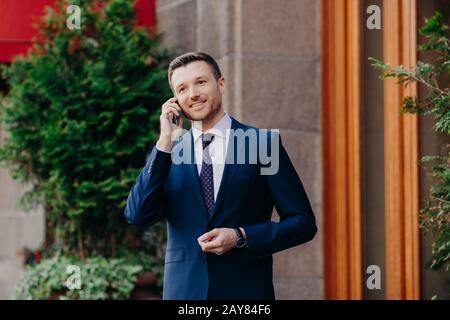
(169, 191)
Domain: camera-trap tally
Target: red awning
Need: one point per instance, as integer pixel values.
(146, 12)
(16, 20)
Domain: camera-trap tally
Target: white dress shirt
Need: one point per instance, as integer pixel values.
(217, 147)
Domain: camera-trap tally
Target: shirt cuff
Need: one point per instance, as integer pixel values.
(159, 149)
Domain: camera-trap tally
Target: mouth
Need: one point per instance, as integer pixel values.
(197, 106)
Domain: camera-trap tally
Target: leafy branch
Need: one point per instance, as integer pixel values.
(434, 217)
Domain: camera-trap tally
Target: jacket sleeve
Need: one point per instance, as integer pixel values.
(297, 222)
(144, 204)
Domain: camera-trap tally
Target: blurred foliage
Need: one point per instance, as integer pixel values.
(435, 217)
(81, 115)
(99, 278)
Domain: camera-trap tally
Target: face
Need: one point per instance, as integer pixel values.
(199, 93)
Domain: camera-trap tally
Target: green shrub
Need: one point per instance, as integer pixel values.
(81, 115)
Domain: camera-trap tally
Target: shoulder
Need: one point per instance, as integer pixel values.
(262, 133)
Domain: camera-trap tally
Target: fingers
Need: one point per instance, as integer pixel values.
(169, 130)
(209, 235)
(211, 245)
(170, 110)
(170, 107)
(210, 240)
(172, 102)
(217, 241)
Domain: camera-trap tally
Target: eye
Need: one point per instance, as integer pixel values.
(181, 90)
(201, 81)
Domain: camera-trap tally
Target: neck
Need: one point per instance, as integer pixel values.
(210, 122)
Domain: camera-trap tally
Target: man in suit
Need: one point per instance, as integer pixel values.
(217, 201)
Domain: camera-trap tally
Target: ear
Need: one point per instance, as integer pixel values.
(221, 83)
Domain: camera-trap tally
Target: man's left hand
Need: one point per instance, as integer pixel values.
(218, 240)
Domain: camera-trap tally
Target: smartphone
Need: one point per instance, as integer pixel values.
(175, 117)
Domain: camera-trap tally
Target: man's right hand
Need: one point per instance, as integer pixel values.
(168, 128)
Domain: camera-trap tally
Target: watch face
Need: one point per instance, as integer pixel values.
(240, 243)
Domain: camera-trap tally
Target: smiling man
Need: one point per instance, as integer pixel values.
(217, 207)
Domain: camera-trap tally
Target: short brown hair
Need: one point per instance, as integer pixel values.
(189, 57)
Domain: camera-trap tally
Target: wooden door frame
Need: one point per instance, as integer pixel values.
(401, 152)
(341, 52)
(342, 159)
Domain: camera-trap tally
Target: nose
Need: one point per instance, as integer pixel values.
(193, 94)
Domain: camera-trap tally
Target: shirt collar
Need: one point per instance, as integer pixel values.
(219, 129)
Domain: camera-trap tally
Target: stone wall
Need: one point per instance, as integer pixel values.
(269, 52)
(17, 230)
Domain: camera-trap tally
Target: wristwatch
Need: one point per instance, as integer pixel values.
(241, 241)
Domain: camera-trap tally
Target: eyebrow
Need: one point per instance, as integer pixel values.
(176, 88)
